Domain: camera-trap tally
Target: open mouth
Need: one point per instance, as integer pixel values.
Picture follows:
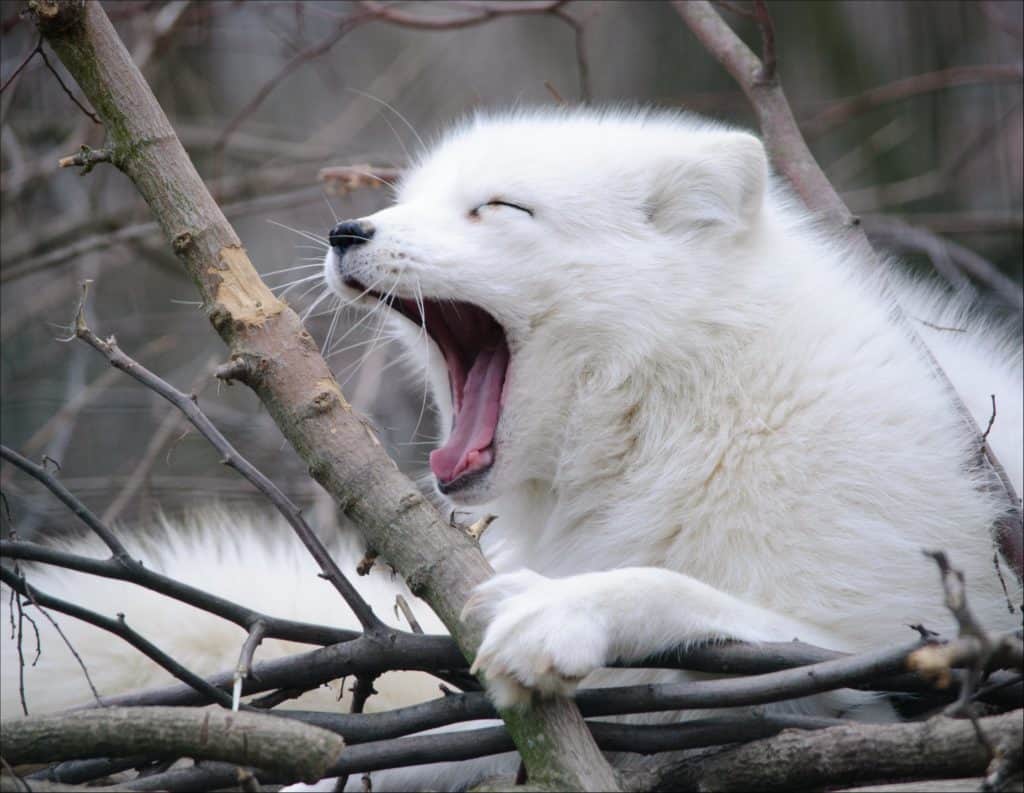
(476, 353)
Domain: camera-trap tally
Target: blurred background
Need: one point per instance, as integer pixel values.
(912, 108)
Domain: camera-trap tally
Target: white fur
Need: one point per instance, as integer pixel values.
(711, 427)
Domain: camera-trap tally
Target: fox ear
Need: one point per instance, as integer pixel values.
(720, 184)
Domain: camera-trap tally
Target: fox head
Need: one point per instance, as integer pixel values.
(535, 262)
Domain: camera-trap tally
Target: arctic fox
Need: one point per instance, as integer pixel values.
(689, 408)
(687, 405)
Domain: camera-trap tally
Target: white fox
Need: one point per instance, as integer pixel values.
(688, 407)
(690, 410)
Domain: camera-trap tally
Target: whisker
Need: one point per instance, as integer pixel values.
(330, 208)
(309, 235)
(288, 287)
(292, 269)
(402, 118)
(326, 293)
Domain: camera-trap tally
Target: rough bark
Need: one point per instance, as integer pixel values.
(940, 748)
(248, 739)
(273, 354)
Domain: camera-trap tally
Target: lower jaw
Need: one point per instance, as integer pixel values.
(465, 486)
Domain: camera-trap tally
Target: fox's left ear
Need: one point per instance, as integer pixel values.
(721, 183)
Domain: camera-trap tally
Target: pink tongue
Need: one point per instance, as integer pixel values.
(467, 450)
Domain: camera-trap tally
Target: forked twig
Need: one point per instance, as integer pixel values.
(186, 403)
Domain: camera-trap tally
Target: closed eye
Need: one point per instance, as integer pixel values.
(496, 203)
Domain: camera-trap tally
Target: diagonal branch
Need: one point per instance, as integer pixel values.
(127, 569)
(187, 404)
(278, 359)
(119, 628)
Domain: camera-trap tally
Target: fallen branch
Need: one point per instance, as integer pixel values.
(940, 748)
(281, 746)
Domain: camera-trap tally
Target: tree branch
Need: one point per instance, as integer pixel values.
(939, 748)
(188, 405)
(283, 367)
(119, 628)
(286, 747)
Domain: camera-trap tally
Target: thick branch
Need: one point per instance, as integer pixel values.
(939, 748)
(287, 747)
(283, 366)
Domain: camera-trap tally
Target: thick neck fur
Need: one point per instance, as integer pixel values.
(727, 438)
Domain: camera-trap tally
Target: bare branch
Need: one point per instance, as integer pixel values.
(282, 746)
(343, 179)
(38, 48)
(839, 112)
(119, 628)
(903, 236)
(82, 512)
(127, 569)
(230, 457)
(939, 748)
(86, 159)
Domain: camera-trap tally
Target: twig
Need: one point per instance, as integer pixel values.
(343, 179)
(108, 238)
(82, 512)
(403, 604)
(81, 399)
(169, 426)
(1008, 221)
(71, 96)
(767, 28)
(893, 231)
(841, 111)
(580, 49)
(344, 26)
(308, 670)
(67, 643)
(127, 569)
(991, 421)
(120, 628)
(243, 669)
(362, 690)
(230, 457)
(31, 54)
(559, 99)
(86, 159)
(735, 8)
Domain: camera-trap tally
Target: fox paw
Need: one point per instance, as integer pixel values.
(541, 636)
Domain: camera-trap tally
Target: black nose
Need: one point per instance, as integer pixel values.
(348, 233)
